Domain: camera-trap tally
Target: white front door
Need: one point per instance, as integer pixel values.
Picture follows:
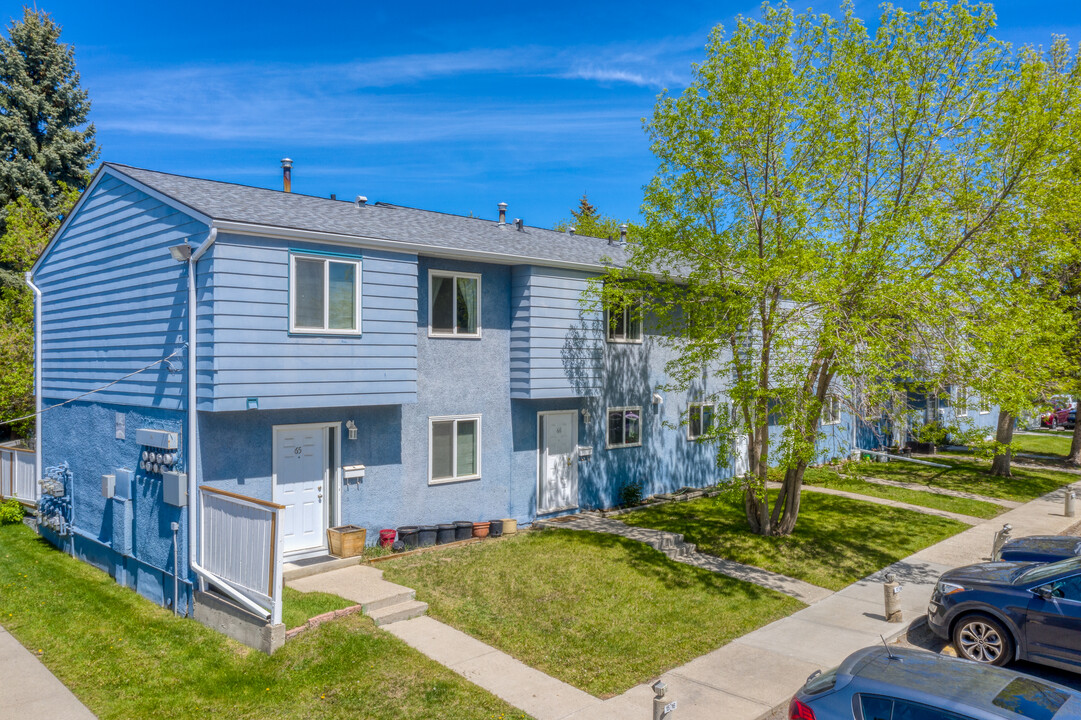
(557, 470)
(301, 485)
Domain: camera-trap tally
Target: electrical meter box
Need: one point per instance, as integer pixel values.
(174, 488)
(157, 439)
(108, 486)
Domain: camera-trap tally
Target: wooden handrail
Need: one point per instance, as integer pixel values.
(235, 496)
(17, 449)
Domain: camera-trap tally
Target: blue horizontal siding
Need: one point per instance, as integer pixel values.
(114, 300)
(247, 350)
(556, 346)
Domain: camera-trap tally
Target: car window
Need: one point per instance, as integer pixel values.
(875, 707)
(1040, 572)
(1067, 588)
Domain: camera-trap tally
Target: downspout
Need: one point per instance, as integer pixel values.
(37, 380)
(193, 439)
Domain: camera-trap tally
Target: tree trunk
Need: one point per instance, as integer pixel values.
(1075, 443)
(786, 507)
(1000, 465)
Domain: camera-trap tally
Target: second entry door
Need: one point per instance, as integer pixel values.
(557, 486)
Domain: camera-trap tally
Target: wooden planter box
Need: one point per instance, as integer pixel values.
(346, 540)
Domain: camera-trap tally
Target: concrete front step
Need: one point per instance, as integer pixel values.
(396, 613)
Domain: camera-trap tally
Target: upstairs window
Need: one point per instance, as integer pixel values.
(454, 304)
(624, 427)
(625, 322)
(700, 420)
(325, 295)
(831, 410)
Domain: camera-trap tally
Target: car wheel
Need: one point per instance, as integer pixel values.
(983, 639)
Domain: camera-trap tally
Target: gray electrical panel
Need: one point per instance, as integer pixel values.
(108, 486)
(175, 488)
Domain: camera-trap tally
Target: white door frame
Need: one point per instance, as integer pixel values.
(540, 455)
(334, 477)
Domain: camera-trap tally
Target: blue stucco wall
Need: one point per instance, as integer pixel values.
(130, 537)
(114, 300)
(246, 349)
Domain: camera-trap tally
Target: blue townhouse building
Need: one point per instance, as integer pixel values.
(338, 363)
(225, 372)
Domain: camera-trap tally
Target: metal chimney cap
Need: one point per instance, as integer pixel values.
(518, 224)
(287, 163)
(502, 206)
(361, 201)
(571, 230)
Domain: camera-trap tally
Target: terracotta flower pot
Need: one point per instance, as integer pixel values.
(480, 529)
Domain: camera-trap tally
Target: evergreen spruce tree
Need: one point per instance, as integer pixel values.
(42, 108)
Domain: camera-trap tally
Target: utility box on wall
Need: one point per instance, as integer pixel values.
(157, 439)
(174, 488)
(108, 486)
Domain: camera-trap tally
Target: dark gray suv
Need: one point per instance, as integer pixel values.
(901, 684)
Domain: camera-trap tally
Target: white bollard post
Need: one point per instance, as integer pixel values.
(662, 710)
(1071, 498)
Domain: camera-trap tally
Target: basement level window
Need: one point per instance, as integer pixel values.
(699, 420)
(453, 448)
(624, 427)
(324, 295)
(453, 304)
(831, 410)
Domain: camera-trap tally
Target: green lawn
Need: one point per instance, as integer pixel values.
(828, 478)
(298, 607)
(1057, 444)
(970, 475)
(600, 612)
(837, 541)
(125, 657)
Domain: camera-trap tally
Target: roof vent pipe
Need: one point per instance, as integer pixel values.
(623, 233)
(361, 201)
(503, 213)
(611, 241)
(287, 175)
(571, 230)
(518, 224)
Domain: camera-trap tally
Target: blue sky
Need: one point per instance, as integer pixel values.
(446, 106)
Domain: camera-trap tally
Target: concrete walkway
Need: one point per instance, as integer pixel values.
(966, 519)
(672, 545)
(382, 601)
(30, 690)
(944, 491)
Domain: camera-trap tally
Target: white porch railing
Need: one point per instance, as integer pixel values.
(18, 475)
(240, 543)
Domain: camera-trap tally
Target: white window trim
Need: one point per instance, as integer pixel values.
(699, 406)
(626, 323)
(432, 274)
(830, 400)
(326, 260)
(641, 426)
(454, 449)
(960, 401)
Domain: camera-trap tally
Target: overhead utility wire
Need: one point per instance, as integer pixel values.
(165, 359)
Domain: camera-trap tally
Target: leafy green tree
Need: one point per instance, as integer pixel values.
(42, 108)
(28, 230)
(586, 220)
(826, 204)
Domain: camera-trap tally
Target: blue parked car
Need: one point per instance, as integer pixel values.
(999, 612)
(1039, 548)
(900, 684)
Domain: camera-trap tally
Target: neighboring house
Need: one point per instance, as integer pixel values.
(957, 407)
(356, 363)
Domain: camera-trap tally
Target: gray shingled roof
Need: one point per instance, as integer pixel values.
(277, 209)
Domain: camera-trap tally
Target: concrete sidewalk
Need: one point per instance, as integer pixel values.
(30, 690)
